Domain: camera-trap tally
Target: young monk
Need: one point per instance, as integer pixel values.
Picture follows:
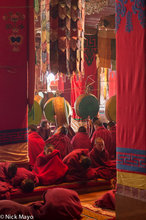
(102, 132)
(81, 139)
(78, 163)
(61, 204)
(112, 129)
(61, 141)
(49, 167)
(35, 144)
(98, 154)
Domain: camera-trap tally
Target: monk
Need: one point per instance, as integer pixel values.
(102, 132)
(61, 204)
(13, 210)
(107, 201)
(61, 141)
(7, 171)
(44, 131)
(78, 163)
(49, 167)
(112, 129)
(81, 139)
(21, 175)
(98, 154)
(35, 144)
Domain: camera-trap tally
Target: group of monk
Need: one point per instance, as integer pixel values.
(62, 157)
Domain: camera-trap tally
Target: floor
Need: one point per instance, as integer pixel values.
(90, 198)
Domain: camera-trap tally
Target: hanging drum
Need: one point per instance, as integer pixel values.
(59, 108)
(35, 115)
(86, 105)
(47, 96)
(110, 109)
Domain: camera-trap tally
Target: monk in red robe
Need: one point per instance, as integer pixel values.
(13, 210)
(102, 132)
(44, 131)
(21, 175)
(98, 154)
(61, 204)
(49, 167)
(35, 144)
(107, 201)
(78, 165)
(61, 141)
(112, 129)
(7, 171)
(81, 139)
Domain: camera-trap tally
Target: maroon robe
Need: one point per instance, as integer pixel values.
(10, 208)
(44, 133)
(35, 146)
(108, 171)
(112, 150)
(107, 201)
(21, 175)
(61, 204)
(81, 141)
(49, 168)
(61, 143)
(3, 171)
(75, 171)
(98, 158)
(5, 190)
(104, 134)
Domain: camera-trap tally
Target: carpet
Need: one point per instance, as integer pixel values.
(90, 213)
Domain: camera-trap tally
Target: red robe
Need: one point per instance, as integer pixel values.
(44, 133)
(104, 134)
(21, 175)
(3, 171)
(14, 209)
(61, 143)
(112, 150)
(98, 158)
(107, 201)
(35, 146)
(75, 171)
(61, 204)
(49, 168)
(108, 171)
(81, 141)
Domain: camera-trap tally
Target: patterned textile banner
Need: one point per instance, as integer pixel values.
(14, 35)
(131, 92)
(79, 83)
(67, 36)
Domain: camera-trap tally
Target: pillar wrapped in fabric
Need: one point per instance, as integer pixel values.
(86, 105)
(131, 110)
(35, 114)
(110, 109)
(15, 20)
(57, 109)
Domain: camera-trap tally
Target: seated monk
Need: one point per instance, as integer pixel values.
(36, 144)
(61, 204)
(44, 131)
(98, 154)
(81, 139)
(78, 164)
(112, 129)
(7, 171)
(49, 167)
(27, 185)
(61, 141)
(21, 175)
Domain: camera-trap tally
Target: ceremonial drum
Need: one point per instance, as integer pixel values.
(35, 115)
(47, 96)
(110, 109)
(57, 109)
(86, 105)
